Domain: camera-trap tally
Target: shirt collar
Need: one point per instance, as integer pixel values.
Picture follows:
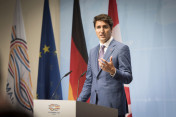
(107, 43)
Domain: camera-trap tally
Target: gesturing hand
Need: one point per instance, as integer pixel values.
(107, 66)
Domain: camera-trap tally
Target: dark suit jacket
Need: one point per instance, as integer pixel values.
(100, 86)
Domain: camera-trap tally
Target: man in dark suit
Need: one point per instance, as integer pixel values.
(109, 68)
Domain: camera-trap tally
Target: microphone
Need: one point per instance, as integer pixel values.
(78, 83)
(67, 74)
(60, 83)
(83, 74)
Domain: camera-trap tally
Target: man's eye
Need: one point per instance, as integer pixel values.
(105, 27)
(98, 27)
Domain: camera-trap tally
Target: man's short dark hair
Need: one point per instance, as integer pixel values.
(105, 18)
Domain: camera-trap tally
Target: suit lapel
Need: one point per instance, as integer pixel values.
(109, 50)
(96, 59)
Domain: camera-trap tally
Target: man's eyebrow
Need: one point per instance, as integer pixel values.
(103, 25)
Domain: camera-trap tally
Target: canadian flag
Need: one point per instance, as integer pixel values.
(113, 13)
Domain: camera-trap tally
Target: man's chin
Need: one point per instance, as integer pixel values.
(103, 40)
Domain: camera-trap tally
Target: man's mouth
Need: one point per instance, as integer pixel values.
(102, 35)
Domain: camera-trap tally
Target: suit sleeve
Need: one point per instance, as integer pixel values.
(86, 90)
(124, 72)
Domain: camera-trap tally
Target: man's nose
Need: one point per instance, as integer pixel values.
(102, 30)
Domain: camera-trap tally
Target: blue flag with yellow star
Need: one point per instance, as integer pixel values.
(48, 73)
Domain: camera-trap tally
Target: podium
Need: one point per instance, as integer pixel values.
(68, 108)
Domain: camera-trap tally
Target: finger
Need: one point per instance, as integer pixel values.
(105, 62)
(111, 59)
(100, 62)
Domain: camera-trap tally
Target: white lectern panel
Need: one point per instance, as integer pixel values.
(54, 108)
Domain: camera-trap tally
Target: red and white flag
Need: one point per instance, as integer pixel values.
(113, 13)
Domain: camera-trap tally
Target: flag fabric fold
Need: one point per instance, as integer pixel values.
(19, 85)
(48, 72)
(78, 57)
(113, 13)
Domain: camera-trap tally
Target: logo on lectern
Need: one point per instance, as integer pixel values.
(54, 107)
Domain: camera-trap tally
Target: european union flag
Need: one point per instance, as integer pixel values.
(48, 74)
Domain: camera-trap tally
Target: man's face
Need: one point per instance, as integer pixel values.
(103, 31)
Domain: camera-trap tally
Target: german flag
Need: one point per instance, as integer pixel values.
(78, 57)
